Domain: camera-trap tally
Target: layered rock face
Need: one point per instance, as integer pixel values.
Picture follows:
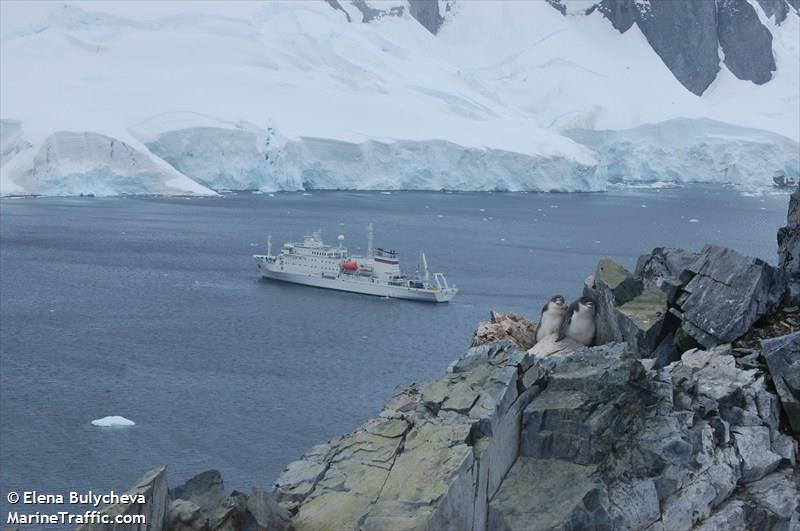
(200, 504)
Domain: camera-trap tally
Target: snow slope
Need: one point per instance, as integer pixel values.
(290, 95)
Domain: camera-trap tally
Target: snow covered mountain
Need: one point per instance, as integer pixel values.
(192, 98)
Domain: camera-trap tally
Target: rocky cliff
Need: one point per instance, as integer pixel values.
(685, 415)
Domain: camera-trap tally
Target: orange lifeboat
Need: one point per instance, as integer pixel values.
(350, 266)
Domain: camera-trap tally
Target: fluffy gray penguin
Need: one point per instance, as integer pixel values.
(579, 323)
(552, 316)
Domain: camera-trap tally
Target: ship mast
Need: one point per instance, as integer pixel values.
(425, 267)
(370, 239)
(269, 245)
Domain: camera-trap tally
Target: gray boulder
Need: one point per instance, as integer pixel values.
(266, 513)
(153, 486)
(205, 490)
(627, 311)
(183, 515)
(664, 268)
(783, 361)
(727, 294)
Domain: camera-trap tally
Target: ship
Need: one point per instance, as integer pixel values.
(780, 180)
(313, 263)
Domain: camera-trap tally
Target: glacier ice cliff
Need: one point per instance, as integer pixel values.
(691, 150)
(76, 163)
(238, 159)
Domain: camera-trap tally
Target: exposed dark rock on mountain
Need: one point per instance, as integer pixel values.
(778, 8)
(746, 44)
(427, 13)
(687, 34)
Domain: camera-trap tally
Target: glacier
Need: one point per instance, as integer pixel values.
(111, 98)
(83, 163)
(238, 159)
(690, 150)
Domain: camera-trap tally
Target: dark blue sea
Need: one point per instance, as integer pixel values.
(151, 308)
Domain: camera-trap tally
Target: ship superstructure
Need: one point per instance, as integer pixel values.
(313, 263)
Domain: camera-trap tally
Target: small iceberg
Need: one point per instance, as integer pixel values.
(113, 421)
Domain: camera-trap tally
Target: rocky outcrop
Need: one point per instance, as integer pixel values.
(205, 490)
(626, 311)
(630, 448)
(782, 355)
(587, 438)
(727, 294)
(789, 245)
(642, 432)
(677, 299)
(197, 505)
(432, 459)
(153, 486)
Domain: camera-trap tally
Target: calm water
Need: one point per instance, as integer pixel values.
(151, 309)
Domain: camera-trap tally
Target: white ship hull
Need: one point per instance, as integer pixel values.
(365, 286)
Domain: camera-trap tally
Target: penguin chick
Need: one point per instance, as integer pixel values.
(579, 323)
(551, 318)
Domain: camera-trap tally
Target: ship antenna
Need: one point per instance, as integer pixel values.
(269, 245)
(370, 239)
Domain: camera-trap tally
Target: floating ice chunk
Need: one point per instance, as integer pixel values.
(482, 209)
(439, 215)
(113, 421)
(693, 220)
(386, 193)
